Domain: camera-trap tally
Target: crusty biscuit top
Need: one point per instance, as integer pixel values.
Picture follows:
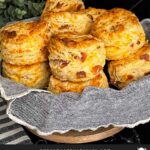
(68, 22)
(71, 41)
(117, 26)
(21, 31)
(63, 5)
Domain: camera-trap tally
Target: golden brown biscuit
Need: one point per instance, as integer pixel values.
(76, 58)
(94, 12)
(23, 43)
(59, 22)
(121, 33)
(63, 5)
(124, 71)
(58, 86)
(35, 76)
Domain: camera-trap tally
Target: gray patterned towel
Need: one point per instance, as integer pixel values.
(94, 108)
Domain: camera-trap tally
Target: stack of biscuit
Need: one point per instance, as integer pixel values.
(23, 53)
(76, 61)
(74, 44)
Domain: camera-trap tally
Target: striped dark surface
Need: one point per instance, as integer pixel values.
(10, 132)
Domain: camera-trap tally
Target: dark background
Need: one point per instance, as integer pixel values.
(140, 134)
(140, 7)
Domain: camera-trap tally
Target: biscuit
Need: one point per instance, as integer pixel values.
(124, 71)
(34, 76)
(76, 58)
(24, 43)
(121, 32)
(61, 22)
(94, 12)
(63, 5)
(57, 86)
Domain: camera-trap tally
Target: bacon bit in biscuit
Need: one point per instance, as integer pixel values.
(79, 7)
(64, 27)
(91, 17)
(120, 27)
(96, 81)
(63, 63)
(145, 57)
(132, 45)
(59, 5)
(45, 50)
(130, 77)
(113, 28)
(98, 76)
(81, 74)
(138, 42)
(20, 51)
(147, 73)
(97, 69)
(10, 34)
(83, 56)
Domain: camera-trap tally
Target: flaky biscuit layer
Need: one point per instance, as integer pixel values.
(58, 86)
(34, 76)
